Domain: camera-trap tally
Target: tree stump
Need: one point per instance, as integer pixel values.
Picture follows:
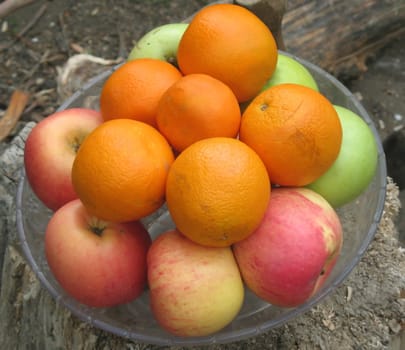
(31, 319)
(340, 36)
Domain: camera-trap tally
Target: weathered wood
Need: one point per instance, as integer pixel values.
(271, 12)
(340, 36)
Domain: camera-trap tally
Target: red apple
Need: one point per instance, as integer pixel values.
(50, 150)
(100, 264)
(194, 290)
(290, 255)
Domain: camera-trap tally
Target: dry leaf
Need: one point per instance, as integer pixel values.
(18, 101)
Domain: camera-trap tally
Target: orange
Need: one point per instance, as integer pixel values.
(217, 191)
(120, 170)
(134, 89)
(231, 44)
(296, 132)
(197, 106)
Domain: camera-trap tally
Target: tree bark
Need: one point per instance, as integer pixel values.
(271, 12)
(340, 36)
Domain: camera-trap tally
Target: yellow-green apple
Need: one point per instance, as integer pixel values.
(161, 43)
(98, 263)
(50, 150)
(355, 165)
(194, 290)
(289, 70)
(290, 255)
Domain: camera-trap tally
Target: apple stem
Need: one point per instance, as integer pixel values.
(97, 230)
(76, 144)
(97, 226)
(78, 140)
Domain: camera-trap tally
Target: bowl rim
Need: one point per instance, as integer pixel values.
(229, 336)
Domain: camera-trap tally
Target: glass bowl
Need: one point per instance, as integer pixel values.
(134, 321)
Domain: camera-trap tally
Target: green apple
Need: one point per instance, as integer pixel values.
(289, 70)
(355, 165)
(160, 43)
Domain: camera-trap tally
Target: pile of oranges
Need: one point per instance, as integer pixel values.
(178, 133)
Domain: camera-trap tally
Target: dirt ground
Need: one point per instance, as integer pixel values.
(61, 28)
(36, 41)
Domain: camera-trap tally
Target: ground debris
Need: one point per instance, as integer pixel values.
(78, 70)
(19, 100)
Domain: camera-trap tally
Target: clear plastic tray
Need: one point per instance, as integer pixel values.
(360, 219)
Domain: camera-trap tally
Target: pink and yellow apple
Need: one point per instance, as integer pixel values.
(50, 150)
(194, 290)
(99, 264)
(290, 255)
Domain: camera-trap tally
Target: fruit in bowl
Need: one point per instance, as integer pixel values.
(161, 43)
(120, 170)
(105, 192)
(196, 107)
(296, 132)
(355, 165)
(211, 187)
(194, 290)
(289, 70)
(288, 257)
(231, 44)
(50, 150)
(133, 90)
(101, 264)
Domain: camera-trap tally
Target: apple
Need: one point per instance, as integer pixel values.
(290, 255)
(355, 166)
(160, 43)
(98, 263)
(50, 150)
(194, 290)
(289, 70)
